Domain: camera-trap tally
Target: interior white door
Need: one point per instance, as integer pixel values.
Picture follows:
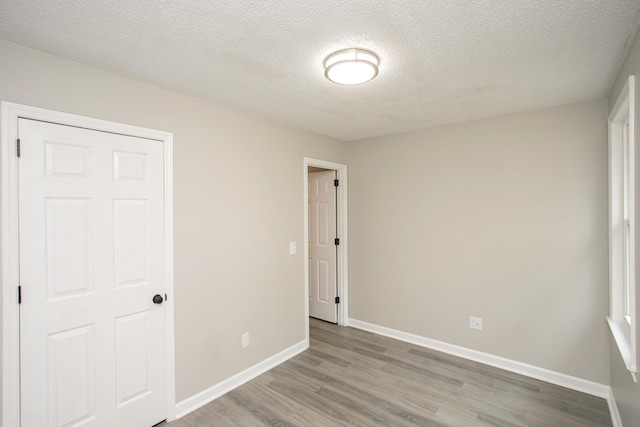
(92, 341)
(322, 247)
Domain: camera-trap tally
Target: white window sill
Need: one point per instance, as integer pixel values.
(621, 332)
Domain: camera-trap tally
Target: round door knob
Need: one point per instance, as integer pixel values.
(157, 299)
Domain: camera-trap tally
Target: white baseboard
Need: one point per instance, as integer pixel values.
(568, 381)
(196, 401)
(613, 409)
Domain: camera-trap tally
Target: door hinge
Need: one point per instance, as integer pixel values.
(18, 147)
(19, 294)
(336, 241)
(337, 300)
(336, 182)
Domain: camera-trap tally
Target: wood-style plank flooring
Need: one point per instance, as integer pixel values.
(350, 377)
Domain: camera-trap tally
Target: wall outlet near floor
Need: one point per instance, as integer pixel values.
(245, 340)
(475, 323)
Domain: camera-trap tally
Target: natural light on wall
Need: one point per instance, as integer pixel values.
(351, 66)
(622, 290)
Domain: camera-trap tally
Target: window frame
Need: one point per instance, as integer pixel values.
(622, 283)
(628, 241)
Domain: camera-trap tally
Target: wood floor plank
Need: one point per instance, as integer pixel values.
(350, 377)
(376, 398)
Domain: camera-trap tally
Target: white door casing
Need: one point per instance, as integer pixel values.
(70, 223)
(322, 247)
(343, 233)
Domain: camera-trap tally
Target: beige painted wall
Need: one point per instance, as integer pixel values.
(504, 219)
(626, 392)
(238, 202)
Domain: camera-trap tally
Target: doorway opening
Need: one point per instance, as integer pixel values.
(323, 242)
(335, 243)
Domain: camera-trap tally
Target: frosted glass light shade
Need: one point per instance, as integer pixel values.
(351, 66)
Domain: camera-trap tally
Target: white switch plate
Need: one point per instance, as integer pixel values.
(245, 340)
(292, 248)
(475, 323)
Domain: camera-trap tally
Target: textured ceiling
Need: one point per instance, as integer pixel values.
(441, 61)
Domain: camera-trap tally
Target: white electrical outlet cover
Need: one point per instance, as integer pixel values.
(475, 323)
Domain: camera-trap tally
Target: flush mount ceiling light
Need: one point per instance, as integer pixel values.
(351, 66)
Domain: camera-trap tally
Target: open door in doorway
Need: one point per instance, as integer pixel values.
(323, 279)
